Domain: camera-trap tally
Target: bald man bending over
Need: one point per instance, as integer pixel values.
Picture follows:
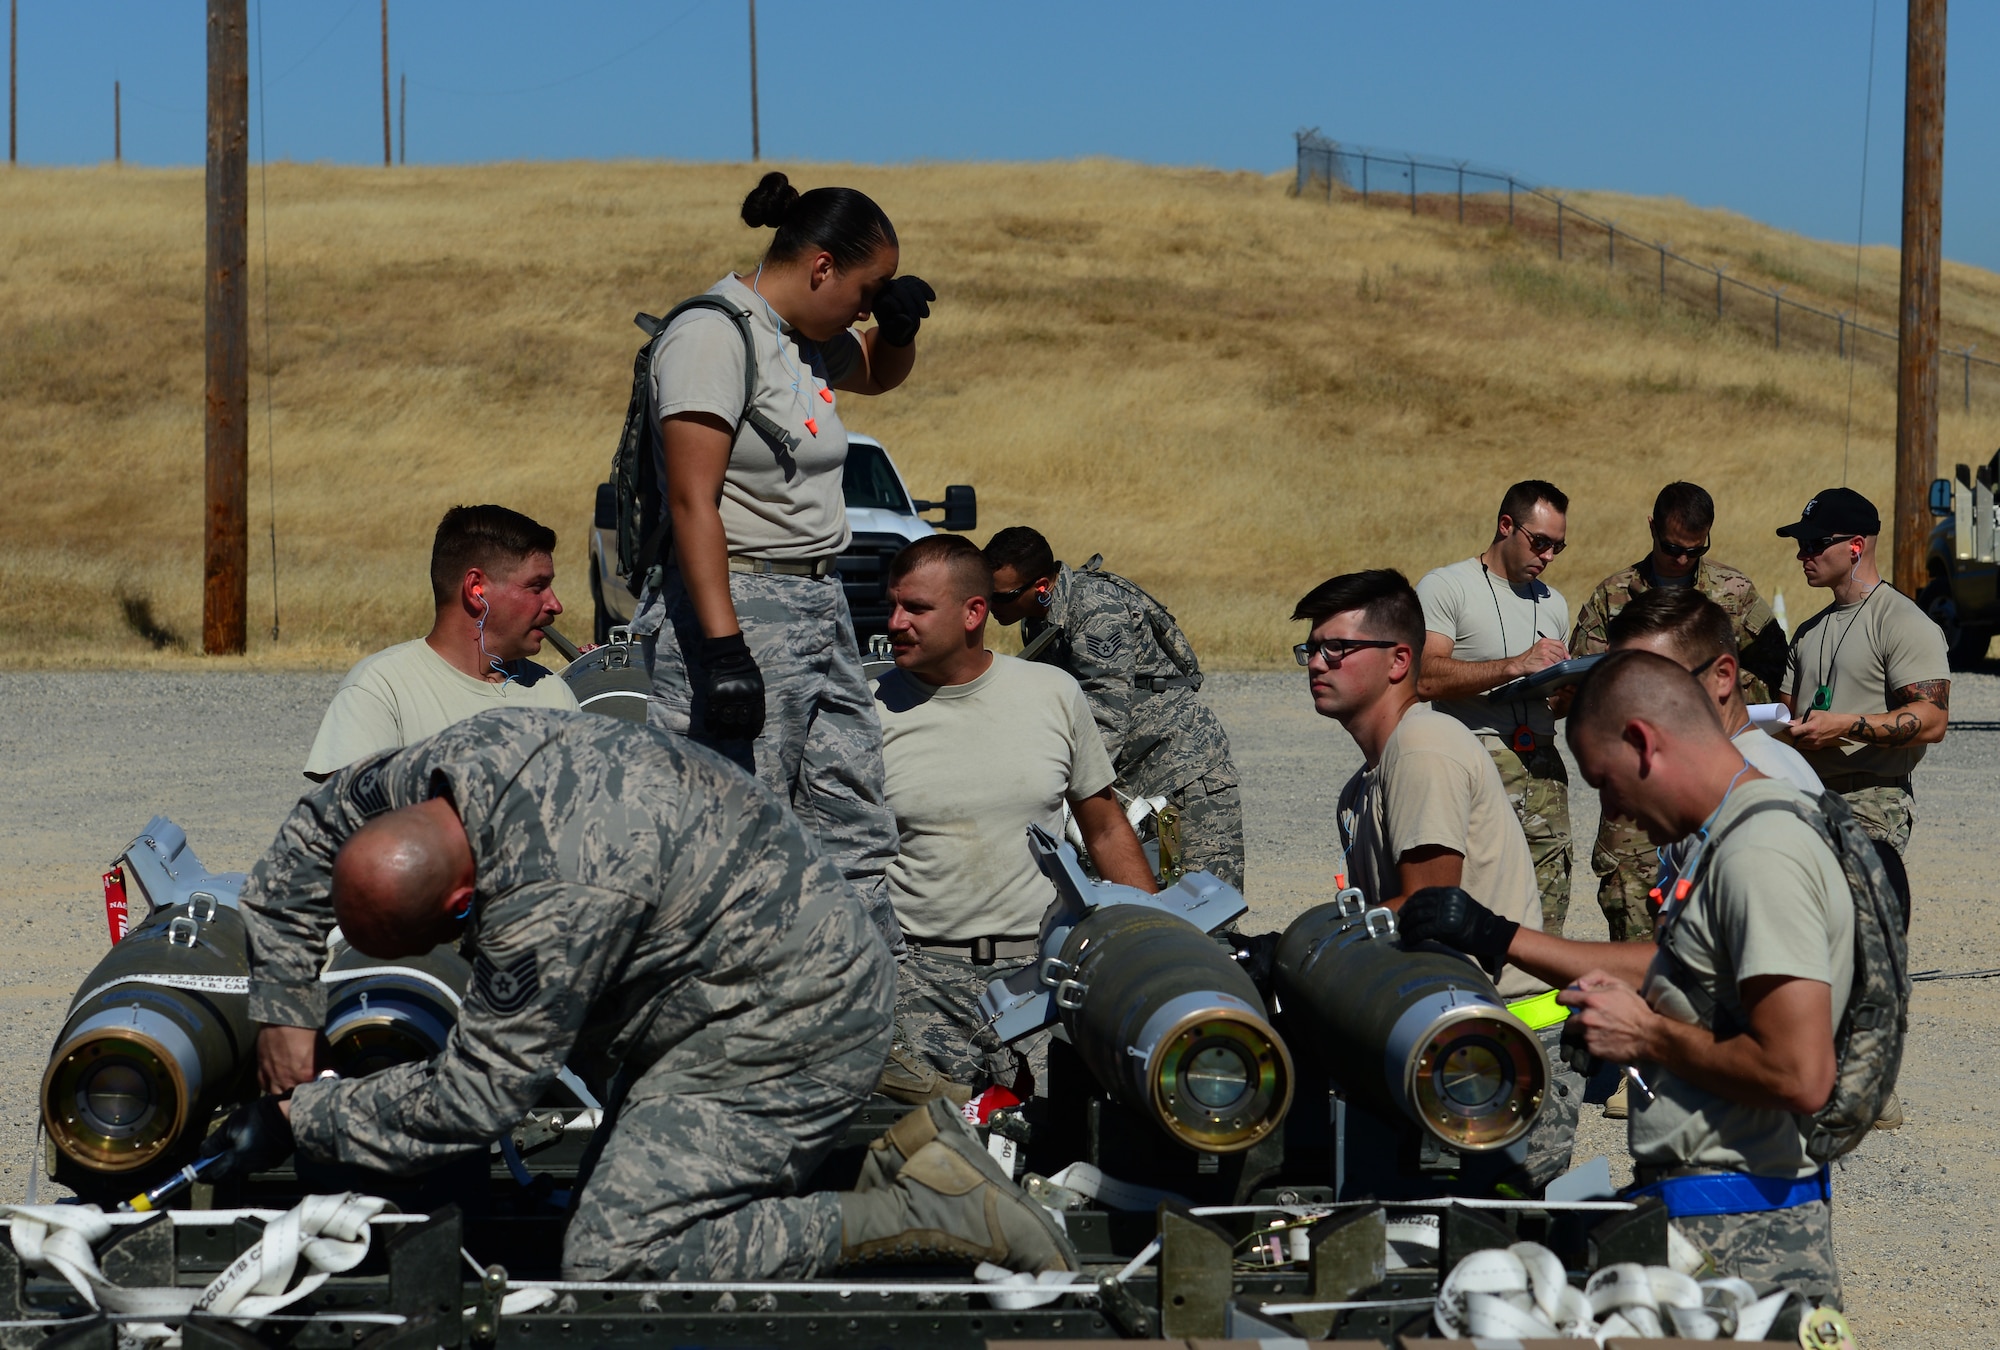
(1728, 1014)
(636, 907)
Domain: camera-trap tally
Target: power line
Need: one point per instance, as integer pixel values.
(1860, 224)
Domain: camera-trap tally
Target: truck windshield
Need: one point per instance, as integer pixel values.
(869, 480)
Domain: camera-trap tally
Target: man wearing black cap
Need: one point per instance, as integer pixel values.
(1868, 683)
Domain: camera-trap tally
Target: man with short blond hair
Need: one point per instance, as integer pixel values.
(977, 747)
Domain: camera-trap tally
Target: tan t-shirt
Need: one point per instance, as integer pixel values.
(1436, 785)
(1880, 643)
(1770, 899)
(1488, 619)
(404, 693)
(783, 505)
(968, 768)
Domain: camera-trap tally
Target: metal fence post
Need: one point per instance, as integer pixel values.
(1559, 229)
(1461, 192)
(1778, 318)
(1510, 203)
(1718, 295)
(1663, 274)
(1841, 319)
(1968, 378)
(1413, 185)
(1364, 178)
(1611, 246)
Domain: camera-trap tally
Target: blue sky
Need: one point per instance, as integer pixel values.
(1757, 107)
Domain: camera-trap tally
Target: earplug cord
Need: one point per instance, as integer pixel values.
(785, 358)
(506, 675)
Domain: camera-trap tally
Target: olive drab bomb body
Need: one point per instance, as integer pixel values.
(1418, 1032)
(159, 1036)
(1166, 1022)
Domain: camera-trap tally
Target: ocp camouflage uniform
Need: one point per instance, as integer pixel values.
(1623, 859)
(821, 747)
(1142, 679)
(1789, 1248)
(1538, 789)
(647, 914)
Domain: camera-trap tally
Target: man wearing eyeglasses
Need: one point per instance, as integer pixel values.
(1428, 807)
(1491, 619)
(1869, 682)
(1682, 520)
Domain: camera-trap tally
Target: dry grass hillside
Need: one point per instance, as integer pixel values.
(1228, 392)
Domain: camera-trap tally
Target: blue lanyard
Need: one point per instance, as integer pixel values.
(1684, 878)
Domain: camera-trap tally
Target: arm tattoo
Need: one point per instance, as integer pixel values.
(1901, 730)
(1926, 691)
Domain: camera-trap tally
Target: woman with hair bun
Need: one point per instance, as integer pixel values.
(755, 654)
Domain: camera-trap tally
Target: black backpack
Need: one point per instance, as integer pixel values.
(639, 464)
(1868, 1043)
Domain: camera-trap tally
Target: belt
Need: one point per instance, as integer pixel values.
(1704, 1193)
(1855, 782)
(813, 567)
(1159, 684)
(1540, 1011)
(980, 951)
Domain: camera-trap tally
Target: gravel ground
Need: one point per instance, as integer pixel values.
(90, 757)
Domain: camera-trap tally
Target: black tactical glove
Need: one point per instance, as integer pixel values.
(1256, 954)
(734, 689)
(901, 306)
(255, 1138)
(1447, 914)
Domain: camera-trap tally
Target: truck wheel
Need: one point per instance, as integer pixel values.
(1965, 644)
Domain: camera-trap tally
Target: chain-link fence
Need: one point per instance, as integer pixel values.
(1491, 198)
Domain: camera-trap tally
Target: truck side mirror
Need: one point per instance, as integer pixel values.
(961, 507)
(1941, 496)
(606, 515)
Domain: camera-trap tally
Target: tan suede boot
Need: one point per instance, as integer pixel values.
(909, 1080)
(930, 1193)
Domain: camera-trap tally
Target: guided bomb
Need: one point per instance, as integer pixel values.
(1417, 1032)
(383, 1013)
(1170, 1026)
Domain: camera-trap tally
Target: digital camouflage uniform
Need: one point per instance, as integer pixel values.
(1790, 1248)
(1624, 860)
(1142, 678)
(821, 747)
(938, 1022)
(645, 913)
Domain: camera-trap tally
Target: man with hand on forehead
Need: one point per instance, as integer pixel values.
(1492, 619)
(1869, 682)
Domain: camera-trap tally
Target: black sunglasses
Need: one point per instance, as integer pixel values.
(1336, 650)
(1810, 548)
(1541, 543)
(1009, 597)
(1684, 551)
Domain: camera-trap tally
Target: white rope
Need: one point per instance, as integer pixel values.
(1522, 1292)
(330, 1233)
(1139, 1262)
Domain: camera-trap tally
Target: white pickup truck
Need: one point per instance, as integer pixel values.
(880, 511)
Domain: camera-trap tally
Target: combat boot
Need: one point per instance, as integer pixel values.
(931, 1193)
(909, 1080)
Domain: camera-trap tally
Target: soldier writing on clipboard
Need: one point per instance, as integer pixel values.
(1490, 619)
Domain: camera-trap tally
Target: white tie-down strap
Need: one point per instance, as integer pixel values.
(1523, 1293)
(328, 1232)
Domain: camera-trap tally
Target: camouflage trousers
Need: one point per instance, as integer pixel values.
(821, 748)
(1781, 1249)
(938, 1021)
(692, 1180)
(1885, 810)
(1538, 787)
(1627, 867)
(1211, 812)
(1552, 1138)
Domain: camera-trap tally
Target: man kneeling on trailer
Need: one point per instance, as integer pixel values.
(1728, 1015)
(636, 907)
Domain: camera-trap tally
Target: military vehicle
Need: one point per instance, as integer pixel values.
(1961, 594)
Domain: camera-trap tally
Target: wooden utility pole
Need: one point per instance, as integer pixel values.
(756, 144)
(13, 76)
(226, 555)
(385, 84)
(117, 125)
(1917, 326)
(403, 119)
